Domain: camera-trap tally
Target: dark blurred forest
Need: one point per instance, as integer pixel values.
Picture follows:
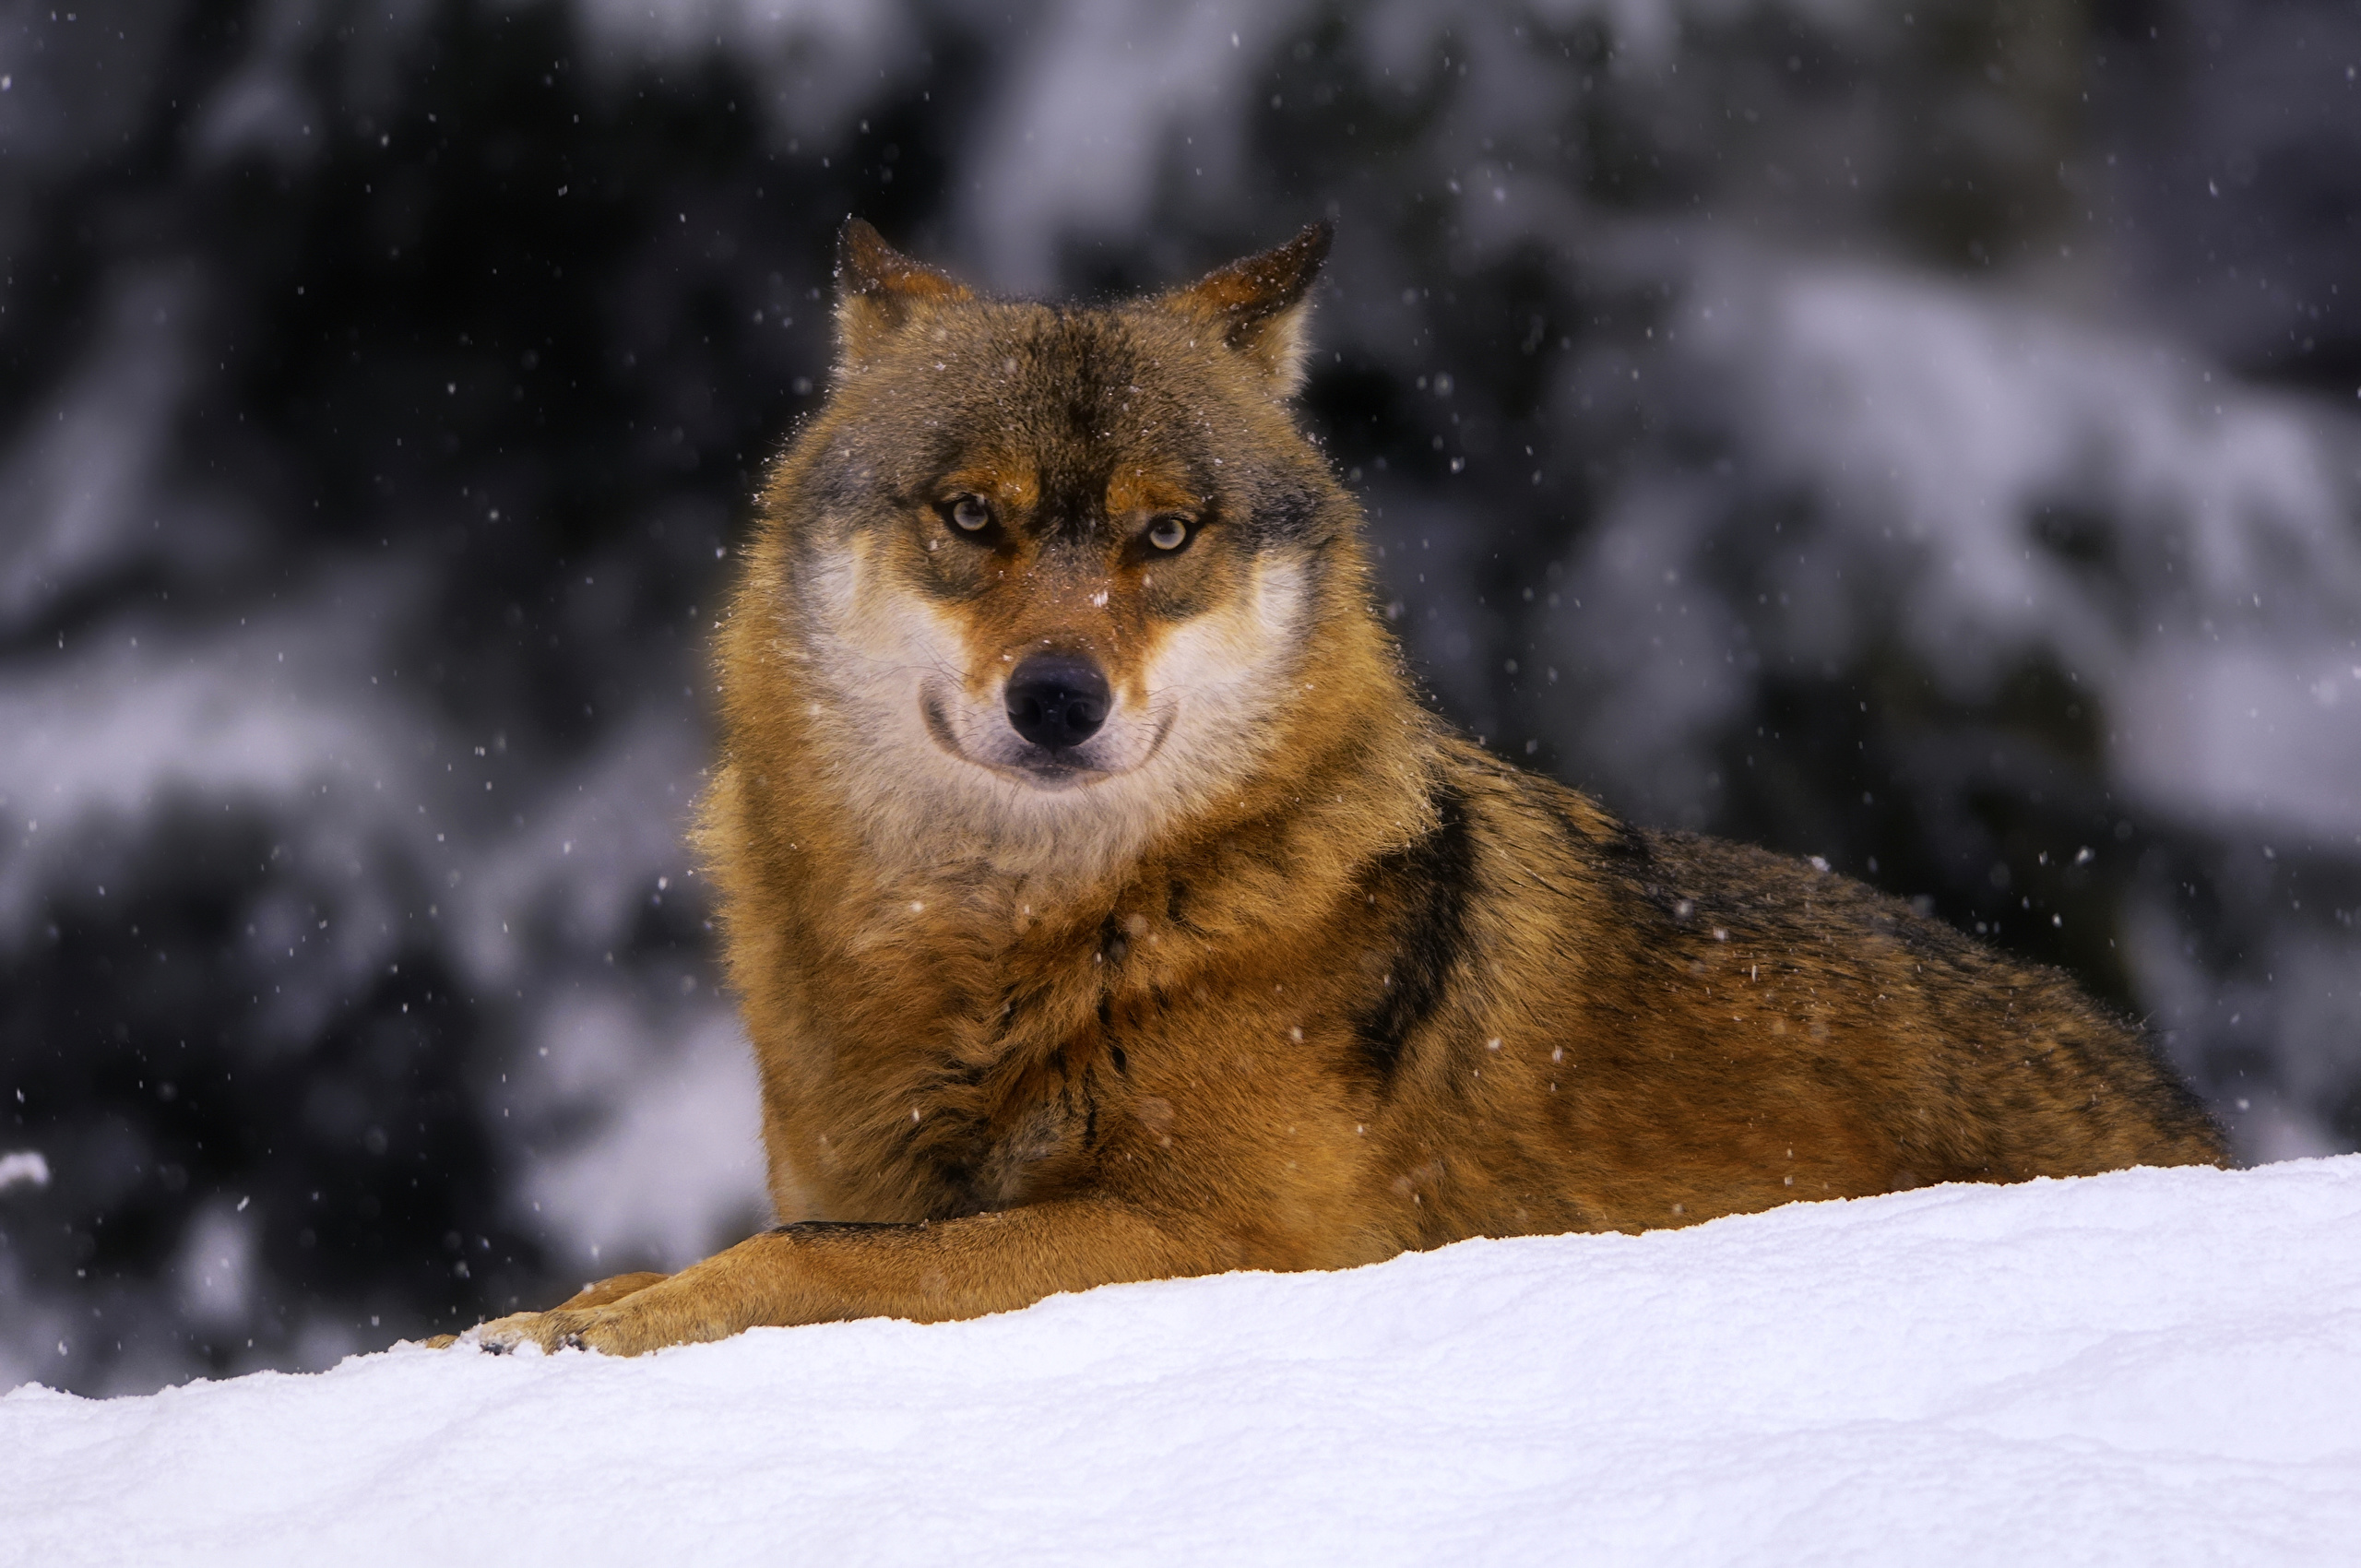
(1922, 437)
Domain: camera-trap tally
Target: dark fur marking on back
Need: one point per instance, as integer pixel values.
(1628, 849)
(1626, 855)
(1570, 832)
(1624, 849)
(1637, 861)
(1433, 880)
(838, 1227)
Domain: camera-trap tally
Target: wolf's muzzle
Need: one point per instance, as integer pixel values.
(1057, 700)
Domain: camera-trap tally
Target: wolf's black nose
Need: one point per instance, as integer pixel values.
(1056, 699)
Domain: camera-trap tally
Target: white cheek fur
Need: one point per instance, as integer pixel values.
(880, 655)
(1228, 672)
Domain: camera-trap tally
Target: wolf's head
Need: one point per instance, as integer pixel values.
(1048, 578)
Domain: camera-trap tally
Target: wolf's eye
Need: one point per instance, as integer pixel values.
(970, 513)
(1169, 532)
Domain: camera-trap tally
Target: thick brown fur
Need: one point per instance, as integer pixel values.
(1284, 974)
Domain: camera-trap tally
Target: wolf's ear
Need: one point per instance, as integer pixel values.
(1259, 305)
(878, 291)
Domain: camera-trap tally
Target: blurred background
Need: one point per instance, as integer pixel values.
(1925, 433)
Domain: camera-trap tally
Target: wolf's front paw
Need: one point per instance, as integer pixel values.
(504, 1334)
(647, 1320)
(559, 1329)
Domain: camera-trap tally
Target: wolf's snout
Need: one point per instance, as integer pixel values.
(1056, 699)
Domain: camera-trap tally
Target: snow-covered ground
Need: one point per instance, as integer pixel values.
(2151, 1367)
(1922, 437)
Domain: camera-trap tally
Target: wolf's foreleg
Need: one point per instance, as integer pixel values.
(928, 1272)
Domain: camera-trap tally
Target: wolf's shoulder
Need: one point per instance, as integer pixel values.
(1689, 878)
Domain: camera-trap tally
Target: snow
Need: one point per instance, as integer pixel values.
(303, 775)
(2152, 1367)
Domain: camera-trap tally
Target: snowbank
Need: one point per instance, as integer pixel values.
(2155, 1367)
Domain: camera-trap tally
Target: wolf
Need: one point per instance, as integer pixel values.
(1105, 905)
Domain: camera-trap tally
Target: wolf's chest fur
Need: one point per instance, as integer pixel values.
(1014, 1037)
